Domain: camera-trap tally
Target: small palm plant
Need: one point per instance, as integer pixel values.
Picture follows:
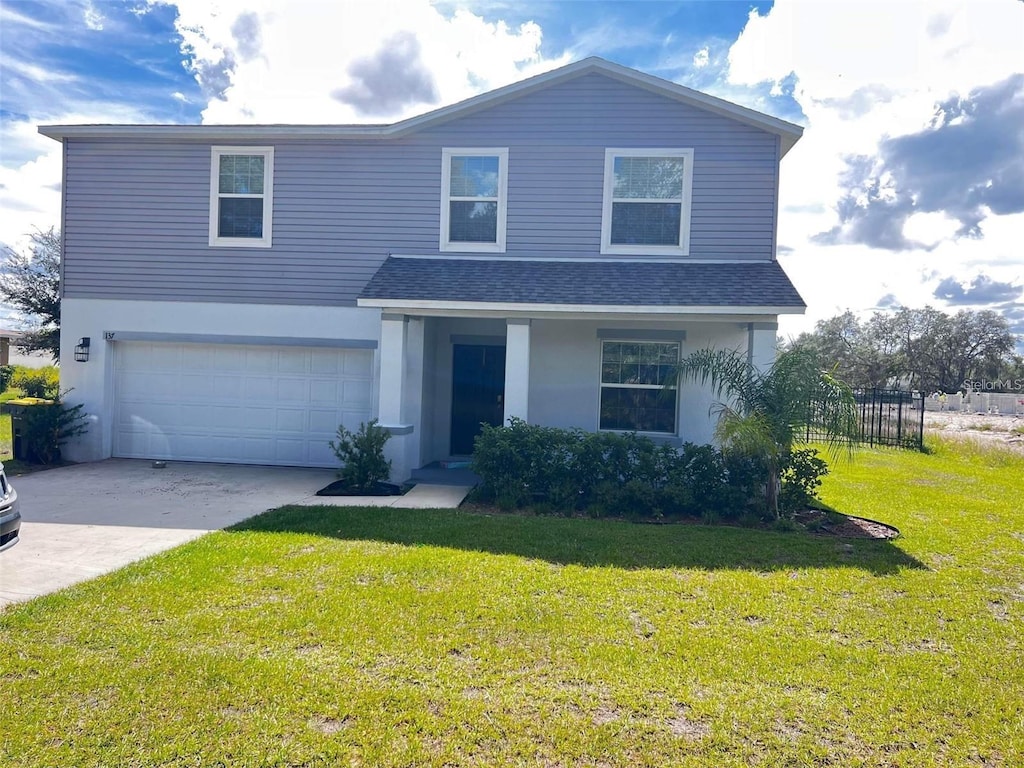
(766, 412)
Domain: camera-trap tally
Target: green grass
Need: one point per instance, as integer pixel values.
(6, 439)
(395, 638)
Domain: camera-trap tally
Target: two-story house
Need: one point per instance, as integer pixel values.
(547, 250)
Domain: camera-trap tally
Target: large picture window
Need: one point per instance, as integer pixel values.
(241, 196)
(647, 201)
(473, 190)
(638, 392)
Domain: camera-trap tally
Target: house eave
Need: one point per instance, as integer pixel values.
(537, 310)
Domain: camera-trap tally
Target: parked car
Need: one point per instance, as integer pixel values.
(10, 516)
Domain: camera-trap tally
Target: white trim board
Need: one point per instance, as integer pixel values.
(438, 307)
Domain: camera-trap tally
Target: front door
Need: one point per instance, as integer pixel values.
(478, 392)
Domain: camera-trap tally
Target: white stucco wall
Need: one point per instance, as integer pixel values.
(90, 381)
(566, 369)
(564, 361)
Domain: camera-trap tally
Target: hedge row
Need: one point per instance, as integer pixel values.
(627, 475)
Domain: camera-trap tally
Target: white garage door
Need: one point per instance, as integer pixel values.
(236, 403)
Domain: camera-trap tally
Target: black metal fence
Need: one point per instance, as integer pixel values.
(888, 417)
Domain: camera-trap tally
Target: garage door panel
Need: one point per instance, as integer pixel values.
(262, 405)
(227, 387)
(357, 395)
(359, 365)
(290, 420)
(293, 390)
(260, 361)
(323, 392)
(197, 357)
(321, 455)
(324, 361)
(195, 416)
(260, 388)
(294, 363)
(227, 358)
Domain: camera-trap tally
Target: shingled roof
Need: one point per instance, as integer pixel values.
(583, 283)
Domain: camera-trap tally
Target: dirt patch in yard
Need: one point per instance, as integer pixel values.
(987, 429)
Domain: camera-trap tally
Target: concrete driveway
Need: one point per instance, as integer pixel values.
(82, 521)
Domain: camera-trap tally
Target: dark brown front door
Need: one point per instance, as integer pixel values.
(478, 392)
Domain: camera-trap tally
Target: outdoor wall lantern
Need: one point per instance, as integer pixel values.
(82, 350)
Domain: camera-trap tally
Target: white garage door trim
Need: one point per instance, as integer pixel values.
(237, 403)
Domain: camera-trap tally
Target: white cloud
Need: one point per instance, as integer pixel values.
(930, 229)
(305, 54)
(863, 72)
(92, 17)
(701, 58)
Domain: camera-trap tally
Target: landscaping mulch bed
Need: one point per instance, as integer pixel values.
(341, 488)
(845, 526)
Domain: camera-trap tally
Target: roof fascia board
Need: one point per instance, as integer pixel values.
(425, 306)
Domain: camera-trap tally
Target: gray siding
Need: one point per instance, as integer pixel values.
(137, 214)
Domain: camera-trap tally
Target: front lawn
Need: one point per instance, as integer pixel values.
(393, 638)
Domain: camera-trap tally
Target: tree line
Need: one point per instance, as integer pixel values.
(919, 349)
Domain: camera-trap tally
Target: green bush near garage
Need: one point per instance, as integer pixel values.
(40, 428)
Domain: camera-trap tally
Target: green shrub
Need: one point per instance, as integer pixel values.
(37, 382)
(6, 372)
(362, 456)
(610, 474)
(801, 477)
(45, 428)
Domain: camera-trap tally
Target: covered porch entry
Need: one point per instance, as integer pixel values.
(465, 341)
(441, 377)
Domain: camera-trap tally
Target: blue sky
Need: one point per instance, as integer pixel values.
(907, 188)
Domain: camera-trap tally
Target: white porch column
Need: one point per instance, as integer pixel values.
(761, 343)
(392, 369)
(393, 408)
(517, 370)
(412, 396)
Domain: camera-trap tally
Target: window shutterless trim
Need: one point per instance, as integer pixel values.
(266, 241)
(447, 154)
(683, 249)
(632, 339)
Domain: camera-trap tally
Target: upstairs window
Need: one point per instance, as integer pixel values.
(473, 191)
(638, 388)
(647, 201)
(241, 196)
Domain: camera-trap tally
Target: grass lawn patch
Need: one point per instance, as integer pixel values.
(6, 437)
(384, 637)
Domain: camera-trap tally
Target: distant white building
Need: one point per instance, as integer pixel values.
(12, 354)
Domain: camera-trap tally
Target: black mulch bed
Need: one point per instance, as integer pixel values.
(341, 488)
(846, 526)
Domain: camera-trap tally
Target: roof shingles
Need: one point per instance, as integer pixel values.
(618, 283)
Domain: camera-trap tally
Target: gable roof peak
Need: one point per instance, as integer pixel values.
(788, 132)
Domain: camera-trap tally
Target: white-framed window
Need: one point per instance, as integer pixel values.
(647, 201)
(241, 196)
(474, 187)
(638, 390)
